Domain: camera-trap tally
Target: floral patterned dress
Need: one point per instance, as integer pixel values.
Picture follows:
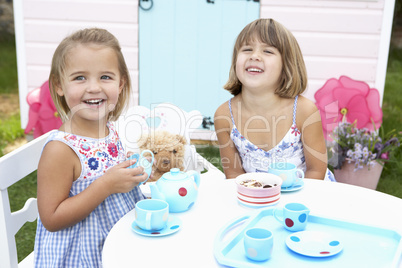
(81, 245)
(289, 149)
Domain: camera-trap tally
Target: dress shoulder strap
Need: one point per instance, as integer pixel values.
(230, 109)
(294, 110)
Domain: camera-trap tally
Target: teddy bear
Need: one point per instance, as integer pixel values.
(168, 151)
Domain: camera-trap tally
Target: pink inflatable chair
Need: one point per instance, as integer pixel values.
(43, 116)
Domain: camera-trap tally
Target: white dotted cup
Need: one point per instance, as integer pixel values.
(258, 244)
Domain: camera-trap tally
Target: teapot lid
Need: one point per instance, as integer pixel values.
(175, 174)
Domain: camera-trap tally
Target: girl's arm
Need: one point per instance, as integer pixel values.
(315, 151)
(58, 167)
(230, 157)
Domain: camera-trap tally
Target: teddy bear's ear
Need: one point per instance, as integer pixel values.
(181, 139)
(143, 141)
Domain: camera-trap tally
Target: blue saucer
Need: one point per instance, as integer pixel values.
(293, 187)
(173, 225)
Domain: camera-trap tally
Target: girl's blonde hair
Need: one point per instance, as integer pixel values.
(293, 80)
(88, 36)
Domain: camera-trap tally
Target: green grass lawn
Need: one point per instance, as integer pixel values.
(8, 67)
(9, 124)
(391, 177)
(390, 182)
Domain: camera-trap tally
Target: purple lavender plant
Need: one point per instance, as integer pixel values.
(361, 146)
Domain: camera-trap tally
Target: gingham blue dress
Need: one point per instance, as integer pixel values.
(289, 149)
(81, 245)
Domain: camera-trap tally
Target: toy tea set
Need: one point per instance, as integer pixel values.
(175, 191)
(271, 236)
(289, 236)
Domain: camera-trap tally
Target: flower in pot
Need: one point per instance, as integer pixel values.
(355, 149)
(351, 116)
(362, 147)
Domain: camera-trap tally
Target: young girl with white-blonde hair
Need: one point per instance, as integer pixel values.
(84, 185)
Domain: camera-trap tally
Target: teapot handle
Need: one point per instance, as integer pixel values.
(196, 175)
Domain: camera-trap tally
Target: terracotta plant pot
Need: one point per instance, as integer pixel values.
(362, 177)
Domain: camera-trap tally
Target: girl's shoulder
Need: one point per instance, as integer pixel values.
(222, 110)
(57, 143)
(57, 153)
(222, 117)
(306, 111)
(305, 107)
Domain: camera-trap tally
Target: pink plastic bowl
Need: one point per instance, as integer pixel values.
(259, 196)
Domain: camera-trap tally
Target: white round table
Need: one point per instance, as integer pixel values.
(192, 246)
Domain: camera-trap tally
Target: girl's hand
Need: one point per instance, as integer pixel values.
(121, 179)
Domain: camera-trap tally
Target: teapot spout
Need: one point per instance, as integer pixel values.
(155, 193)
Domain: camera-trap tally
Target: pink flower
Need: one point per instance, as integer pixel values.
(295, 131)
(385, 156)
(112, 148)
(349, 100)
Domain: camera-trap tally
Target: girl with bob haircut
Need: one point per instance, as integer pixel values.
(94, 36)
(293, 80)
(268, 120)
(84, 185)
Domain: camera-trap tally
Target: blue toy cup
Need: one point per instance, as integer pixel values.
(290, 174)
(258, 244)
(151, 214)
(294, 216)
(143, 162)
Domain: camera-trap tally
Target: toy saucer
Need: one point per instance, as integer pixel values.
(293, 187)
(173, 225)
(314, 244)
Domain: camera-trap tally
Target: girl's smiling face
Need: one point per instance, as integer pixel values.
(259, 66)
(92, 82)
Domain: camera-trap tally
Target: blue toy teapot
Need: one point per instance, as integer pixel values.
(178, 188)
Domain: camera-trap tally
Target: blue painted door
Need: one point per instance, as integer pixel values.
(185, 50)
